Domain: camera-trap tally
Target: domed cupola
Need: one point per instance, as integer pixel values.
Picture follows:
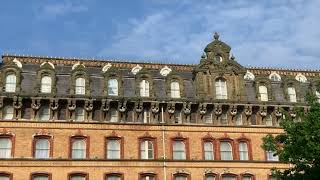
(217, 50)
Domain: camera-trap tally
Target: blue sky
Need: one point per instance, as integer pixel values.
(269, 33)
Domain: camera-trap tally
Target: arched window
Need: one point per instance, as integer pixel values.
(80, 88)
(113, 148)
(249, 76)
(175, 89)
(44, 113)
(269, 120)
(113, 177)
(146, 149)
(5, 147)
(292, 94)
(79, 114)
(275, 77)
(42, 148)
(11, 83)
(210, 177)
(40, 176)
(8, 112)
(147, 176)
(221, 89)
(228, 177)
(179, 150)
(208, 150)
(113, 87)
(79, 148)
(263, 91)
(301, 78)
(78, 176)
(243, 151)
(46, 83)
(247, 177)
(226, 151)
(144, 88)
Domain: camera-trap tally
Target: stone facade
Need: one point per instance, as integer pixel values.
(217, 101)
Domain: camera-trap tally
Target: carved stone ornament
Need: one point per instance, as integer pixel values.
(278, 112)
(77, 64)
(105, 105)
(217, 109)
(233, 110)
(139, 107)
(54, 105)
(42, 64)
(88, 105)
(17, 62)
(136, 69)
(106, 67)
(122, 106)
(35, 105)
(292, 113)
(71, 105)
(203, 109)
(17, 102)
(155, 108)
(263, 111)
(248, 111)
(186, 108)
(171, 108)
(165, 71)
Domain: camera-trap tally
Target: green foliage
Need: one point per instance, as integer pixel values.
(299, 145)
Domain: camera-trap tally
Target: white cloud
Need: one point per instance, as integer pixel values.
(270, 33)
(58, 9)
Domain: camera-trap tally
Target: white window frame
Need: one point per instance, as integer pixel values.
(243, 151)
(144, 88)
(113, 148)
(292, 94)
(226, 154)
(179, 150)
(11, 83)
(42, 151)
(221, 89)
(271, 156)
(5, 149)
(80, 86)
(208, 148)
(146, 116)
(146, 149)
(175, 89)
(75, 150)
(46, 84)
(263, 92)
(113, 87)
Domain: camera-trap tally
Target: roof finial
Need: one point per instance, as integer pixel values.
(216, 36)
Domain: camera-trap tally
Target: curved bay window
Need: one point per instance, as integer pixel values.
(226, 150)
(263, 93)
(8, 113)
(79, 148)
(80, 86)
(147, 149)
(113, 87)
(40, 176)
(11, 83)
(5, 147)
(41, 147)
(208, 149)
(292, 96)
(46, 84)
(179, 149)
(221, 89)
(175, 89)
(144, 88)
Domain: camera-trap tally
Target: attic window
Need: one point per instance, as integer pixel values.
(249, 76)
(219, 58)
(275, 77)
(301, 78)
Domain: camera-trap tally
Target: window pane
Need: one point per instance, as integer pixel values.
(80, 86)
(208, 151)
(146, 150)
(144, 88)
(210, 177)
(148, 178)
(113, 178)
(5, 147)
(179, 150)
(113, 149)
(246, 178)
(180, 178)
(226, 151)
(221, 89)
(113, 87)
(243, 151)
(40, 178)
(4, 177)
(79, 149)
(263, 91)
(271, 156)
(292, 94)
(79, 114)
(78, 178)
(44, 113)
(42, 148)
(8, 112)
(228, 178)
(11, 80)
(46, 84)
(175, 90)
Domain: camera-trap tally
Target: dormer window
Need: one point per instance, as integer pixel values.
(219, 58)
(113, 87)
(221, 89)
(46, 82)
(144, 88)
(249, 76)
(263, 92)
(80, 88)
(301, 78)
(175, 89)
(11, 81)
(275, 77)
(292, 94)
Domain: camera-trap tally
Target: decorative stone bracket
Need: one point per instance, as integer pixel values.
(105, 105)
(217, 109)
(155, 108)
(139, 107)
(171, 108)
(202, 109)
(248, 111)
(233, 110)
(122, 106)
(187, 108)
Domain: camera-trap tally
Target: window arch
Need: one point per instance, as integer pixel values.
(11, 83)
(263, 92)
(175, 89)
(8, 113)
(6, 146)
(181, 176)
(249, 76)
(147, 176)
(208, 148)
(144, 88)
(226, 150)
(113, 176)
(46, 84)
(78, 176)
(147, 148)
(113, 87)
(247, 176)
(292, 96)
(42, 147)
(79, 147)
(40, 176)
(114, 147)
(221, 89)
(5, 175)
(275, 77)
(301, 78)
(80, 86)
(229, 177)
(210, 176)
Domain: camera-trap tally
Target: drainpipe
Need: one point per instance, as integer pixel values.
(163, 146)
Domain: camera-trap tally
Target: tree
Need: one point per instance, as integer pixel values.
(299, 145)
